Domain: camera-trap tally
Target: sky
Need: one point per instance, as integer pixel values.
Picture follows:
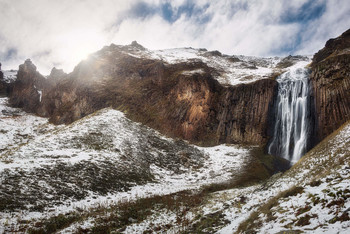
(61, 33)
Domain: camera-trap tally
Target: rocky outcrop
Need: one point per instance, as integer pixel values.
(181, 100)
(331, 84)
(56, 75)
(27, 89)
(2, 84)
(333, 47)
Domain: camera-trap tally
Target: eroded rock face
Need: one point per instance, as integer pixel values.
(181, 100)
(27, 87)
(2, 84)
(331, 83)
(245, 112)
(333, 47)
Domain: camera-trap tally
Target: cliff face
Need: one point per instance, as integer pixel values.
(181, 100)
(27, 87)
(245, 112)
(331, 84)
(2, 84)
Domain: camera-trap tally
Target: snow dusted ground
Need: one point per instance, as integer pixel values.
(312, 197)
(230, 70)
(324, 175)
(322, 207)
(104, 158)
(18, 128)
(10, 75)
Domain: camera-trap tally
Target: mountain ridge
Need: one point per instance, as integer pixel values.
(193, 90)
(202, 89)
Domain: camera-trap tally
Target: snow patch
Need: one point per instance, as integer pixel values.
(192, 72)
(10, 76)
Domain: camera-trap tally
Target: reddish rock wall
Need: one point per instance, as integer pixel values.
(194, 107)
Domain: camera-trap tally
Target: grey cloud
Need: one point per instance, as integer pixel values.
(64, 32)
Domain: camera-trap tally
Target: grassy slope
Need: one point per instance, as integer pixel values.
(320, 188)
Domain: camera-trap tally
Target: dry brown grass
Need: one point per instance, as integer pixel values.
(253, 221)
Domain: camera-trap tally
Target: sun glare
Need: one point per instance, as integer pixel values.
(77, 45)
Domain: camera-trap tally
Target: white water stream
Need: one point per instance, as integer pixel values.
(292, 122)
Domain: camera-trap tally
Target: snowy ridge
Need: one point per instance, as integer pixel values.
(18, 127)
(230, 70)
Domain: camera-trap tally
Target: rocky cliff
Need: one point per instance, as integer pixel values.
(245, 112)
(2, 84)
(27, 89)
(180, 99)
(208, 98)
(331, 84)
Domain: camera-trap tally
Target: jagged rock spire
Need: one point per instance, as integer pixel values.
(137, 45)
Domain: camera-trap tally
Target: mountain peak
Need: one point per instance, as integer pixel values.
(28, 65)
(57, 72)
(137, 45)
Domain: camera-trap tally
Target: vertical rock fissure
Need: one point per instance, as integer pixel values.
(293, 115)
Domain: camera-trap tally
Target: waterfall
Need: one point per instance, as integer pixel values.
(292, 123)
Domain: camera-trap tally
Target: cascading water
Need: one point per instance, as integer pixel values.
(292, 126)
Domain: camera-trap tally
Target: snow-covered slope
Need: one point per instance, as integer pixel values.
(46, 170)
(104, 159)
(322, 206)
(10, 75)
(18, 128)
(312, 197)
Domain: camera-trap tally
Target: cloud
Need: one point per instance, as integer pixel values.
(334, 21)
(55, 33)
(61, 33)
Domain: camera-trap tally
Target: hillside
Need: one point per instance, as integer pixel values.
(311, 196)
(307, 198)
(104, 158)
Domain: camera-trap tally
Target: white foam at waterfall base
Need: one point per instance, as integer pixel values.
(291, 125)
